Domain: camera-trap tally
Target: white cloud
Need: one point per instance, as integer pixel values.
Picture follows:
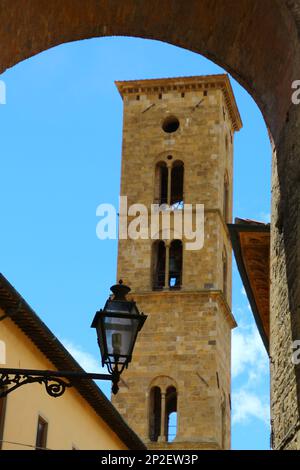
(87, 361)
(265, 217)
(243, 292)
(250, 366)
(247, 405)
(248, 354)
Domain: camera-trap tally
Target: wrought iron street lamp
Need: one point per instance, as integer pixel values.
(117, 327)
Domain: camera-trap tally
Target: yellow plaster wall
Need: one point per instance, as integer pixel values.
(71, 420)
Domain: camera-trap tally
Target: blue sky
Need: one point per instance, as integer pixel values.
(61, 133)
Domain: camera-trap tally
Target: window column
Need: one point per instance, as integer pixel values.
(169, 183)
(167, 245)
(162, 437)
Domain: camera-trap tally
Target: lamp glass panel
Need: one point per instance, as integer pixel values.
(120, 336)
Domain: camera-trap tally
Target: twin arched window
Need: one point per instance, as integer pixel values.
(225, 272)
(171, 414)
(223, 423)
(169, 183)
(163, 414)
(226, 209)
(166, 265)
(161, 183)
(155, 414)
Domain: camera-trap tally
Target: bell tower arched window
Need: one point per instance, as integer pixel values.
(158, 264)
(166, 265)
(171, 414)
(225, 272)
(177, 173)
(161, 183)
(226, 199)
(223, 418)
(175, 264)
(169, 183)
(155, 414)
(162, 411)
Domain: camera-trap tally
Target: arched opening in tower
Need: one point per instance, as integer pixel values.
(171, 414)
(226, 200)
(175, 264)
(177, 185)
(225, 272)
(158, 265)
(161, 183)
(155, 414)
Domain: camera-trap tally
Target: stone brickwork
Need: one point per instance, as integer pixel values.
(285, 293)
(186, 339)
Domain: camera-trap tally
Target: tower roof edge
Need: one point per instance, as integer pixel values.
(191, 83)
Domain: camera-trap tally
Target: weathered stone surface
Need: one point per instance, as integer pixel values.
(186, 339)
(285, 291)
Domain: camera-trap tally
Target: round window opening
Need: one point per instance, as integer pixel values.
(170, 124)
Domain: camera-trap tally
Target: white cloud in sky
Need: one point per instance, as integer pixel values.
(265, 217)
(249, 364)
(248, 352)
(87, 361)
(249, 405)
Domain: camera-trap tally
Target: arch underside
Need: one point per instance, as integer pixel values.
(239, 36)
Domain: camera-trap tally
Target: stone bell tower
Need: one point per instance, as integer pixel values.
(178, 150)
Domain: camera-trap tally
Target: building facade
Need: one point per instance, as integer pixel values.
(81, 419)
(178, 150)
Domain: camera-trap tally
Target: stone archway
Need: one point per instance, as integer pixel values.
(248, 38)
(258, 43)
